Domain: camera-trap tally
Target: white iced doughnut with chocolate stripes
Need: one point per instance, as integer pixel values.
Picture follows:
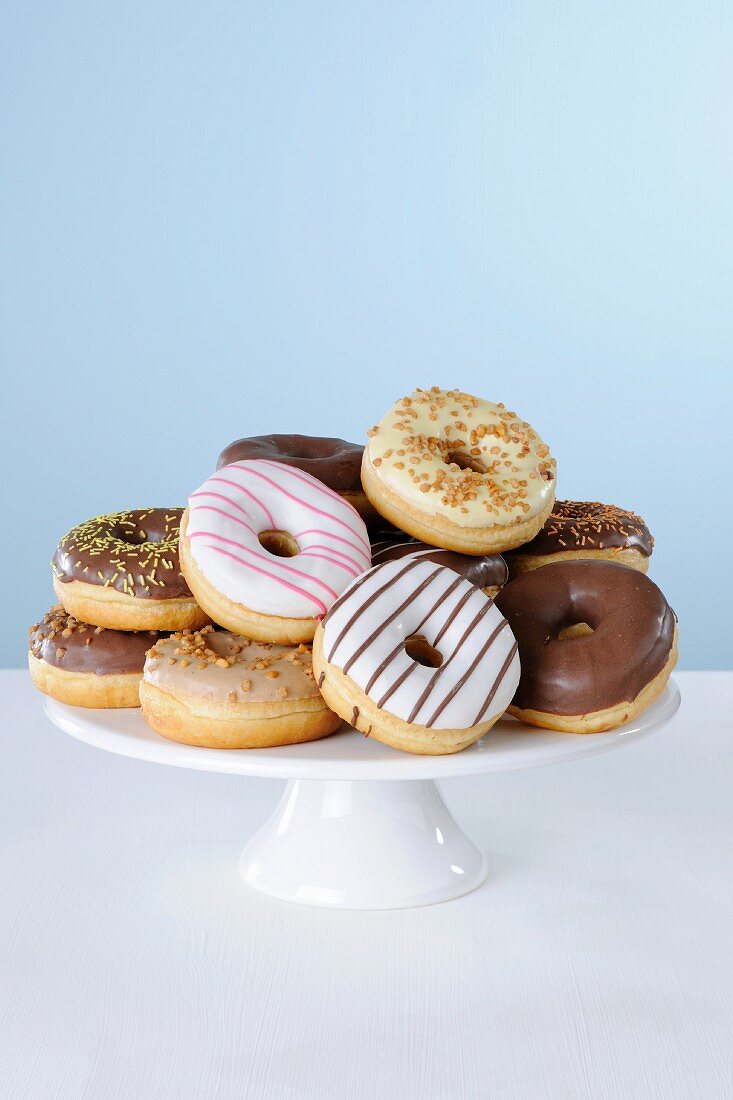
(417, 657)
(459, 472)
(267, 549)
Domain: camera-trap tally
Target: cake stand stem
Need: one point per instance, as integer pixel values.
(346, 844)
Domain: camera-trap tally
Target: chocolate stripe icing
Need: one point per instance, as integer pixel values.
(366, 636)
(390, 657)
(366, 603)
(393, 615)
(474, 664)
(496, 684)
(464, 638)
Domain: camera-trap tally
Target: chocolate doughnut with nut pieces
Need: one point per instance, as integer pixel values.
(122, 571)
(459, 472)
(488, 572)
(597, 643)
(416, 657)
(584, 529)
(85, 665)
(335, 462)
(223, 691)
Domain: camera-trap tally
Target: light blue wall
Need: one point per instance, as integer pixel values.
(222, 219)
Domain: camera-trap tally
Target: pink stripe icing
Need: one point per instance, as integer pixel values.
(312, 508)
(338, 538)
(286, 584)
(268, 559)
(237, 485)
(221, 512)
(326, 563)
(333, 561)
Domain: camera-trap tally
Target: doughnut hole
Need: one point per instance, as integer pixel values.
(420, 650)
(132, 536)
(465, 462)
(279, 543)
(574, 630)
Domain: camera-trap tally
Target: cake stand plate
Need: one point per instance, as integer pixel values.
(359, 825)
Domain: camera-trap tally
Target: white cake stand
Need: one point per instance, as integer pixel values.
(359, 825)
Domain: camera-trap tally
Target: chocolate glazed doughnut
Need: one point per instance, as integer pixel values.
(586, 529)
(488, 572)
(597, 643)
(335, 462)
(85, 665)
(121, 571)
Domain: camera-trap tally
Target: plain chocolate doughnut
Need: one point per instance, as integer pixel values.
(335, 462)
(597, 642)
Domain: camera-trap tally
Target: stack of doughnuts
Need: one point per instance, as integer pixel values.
(119, 585)
(266, 548)
(416, 588)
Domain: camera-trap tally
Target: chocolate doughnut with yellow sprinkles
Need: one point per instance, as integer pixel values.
(121, 571)
(586, 529)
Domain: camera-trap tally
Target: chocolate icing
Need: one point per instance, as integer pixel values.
(489, 571)
(588, 525)
(133, 552)
(633, 634)
(64, 642)
(333, 461)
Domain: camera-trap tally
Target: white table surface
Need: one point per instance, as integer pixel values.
(596, 961)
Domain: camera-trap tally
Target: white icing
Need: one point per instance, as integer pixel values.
(460, 645)
(238, 502)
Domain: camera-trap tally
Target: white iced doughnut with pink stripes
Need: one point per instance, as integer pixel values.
(265, 541)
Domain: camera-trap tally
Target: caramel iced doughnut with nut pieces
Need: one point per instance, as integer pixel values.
(223, 691)
(415, 656)
(582, 529)
(597, 642)
(121, 571)
(85, 665)
(459, 472)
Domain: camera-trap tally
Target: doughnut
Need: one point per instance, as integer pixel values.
(459, 472)
(488, 572)
(266, 549)
(597, 642)
(87, 665)
(586, 529)
(335, 462)
(223, 691)
(416, 657)
(121, 571)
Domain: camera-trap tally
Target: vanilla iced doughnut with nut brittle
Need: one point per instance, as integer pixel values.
(417, 657)
(459, 472)
(266, 549)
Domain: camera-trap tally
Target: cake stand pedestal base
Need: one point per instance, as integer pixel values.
(348, 844)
